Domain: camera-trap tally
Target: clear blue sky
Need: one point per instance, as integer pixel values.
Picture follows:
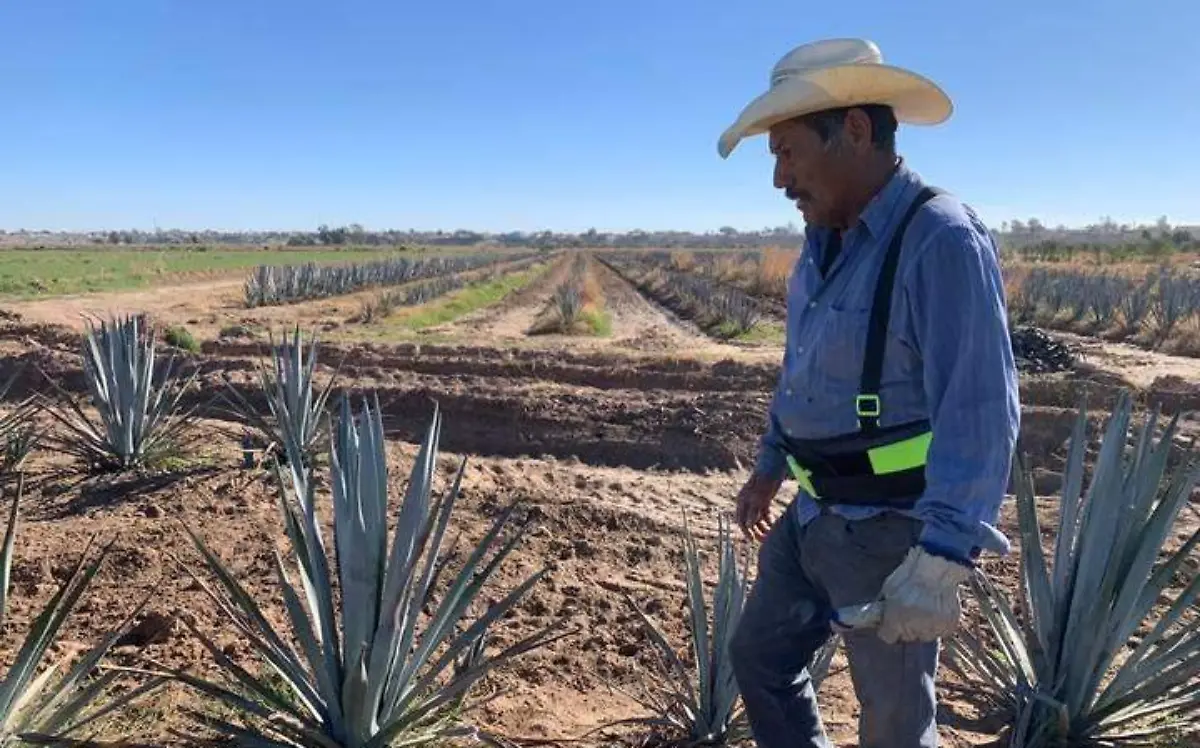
(540, 114)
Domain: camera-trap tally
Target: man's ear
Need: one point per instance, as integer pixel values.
(857, 130)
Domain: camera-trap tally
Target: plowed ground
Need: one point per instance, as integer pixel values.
(609, 442)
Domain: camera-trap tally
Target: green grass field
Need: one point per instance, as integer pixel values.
(26, 273)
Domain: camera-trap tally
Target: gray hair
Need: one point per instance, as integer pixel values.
(828, 125)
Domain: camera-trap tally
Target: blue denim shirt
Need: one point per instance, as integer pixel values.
(948, 359)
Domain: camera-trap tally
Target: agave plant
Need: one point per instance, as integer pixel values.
(1092, 662)
(568, 303)
(701, 705)
(371, 669)
(20, 439)
(1135, 304)
(738, 311)
(139, 421)
(47, 706)
(19, 436)
(292, 425)
(1174, 301)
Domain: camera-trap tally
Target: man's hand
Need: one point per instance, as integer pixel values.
(754, 506)
(920, 598)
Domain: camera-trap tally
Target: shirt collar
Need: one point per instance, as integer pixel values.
(879, 211)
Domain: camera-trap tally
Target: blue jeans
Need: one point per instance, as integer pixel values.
(804, 573)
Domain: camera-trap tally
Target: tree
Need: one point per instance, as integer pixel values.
(1161, 248)
(330, 236)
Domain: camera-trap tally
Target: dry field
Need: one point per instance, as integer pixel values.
(608, 433)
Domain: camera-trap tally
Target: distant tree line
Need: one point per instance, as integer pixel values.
(356, 235)
(1028, 239)
(1103, 241)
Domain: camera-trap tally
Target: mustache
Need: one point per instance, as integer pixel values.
(794, 194)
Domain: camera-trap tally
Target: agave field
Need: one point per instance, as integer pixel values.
(384, 302)
(724, 310)
(1158, 308)
(321, 527)
(286, 284)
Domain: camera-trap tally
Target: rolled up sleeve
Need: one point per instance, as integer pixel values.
(955, 297)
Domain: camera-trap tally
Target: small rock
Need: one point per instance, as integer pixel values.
(154, 628)
(584, 549)
(152, 511)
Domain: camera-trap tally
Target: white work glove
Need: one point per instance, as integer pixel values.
(920, 598)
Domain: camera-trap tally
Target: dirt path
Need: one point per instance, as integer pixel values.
(173, 300)
(641, 325)
(205, 307)
(508, 321)
(1136, 365)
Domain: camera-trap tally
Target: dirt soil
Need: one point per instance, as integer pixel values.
(206, 307)
(607, 441)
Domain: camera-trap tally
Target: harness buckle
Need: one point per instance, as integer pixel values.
(867, 406)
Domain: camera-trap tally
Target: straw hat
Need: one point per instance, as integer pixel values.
(835, 73)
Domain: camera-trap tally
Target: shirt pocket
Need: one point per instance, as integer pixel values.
(843, 345)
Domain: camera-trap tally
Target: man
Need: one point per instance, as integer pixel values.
(896, 408)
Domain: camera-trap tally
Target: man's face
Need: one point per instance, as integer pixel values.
(811, 173)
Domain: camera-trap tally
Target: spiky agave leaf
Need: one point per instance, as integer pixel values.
(295, 406)
(19, 435)
(702, 704)
(43, 706)
(19, 443)
(1066, 671)
(139, 421)
(371, 669)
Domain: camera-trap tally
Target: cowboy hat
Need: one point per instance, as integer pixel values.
(835, 73)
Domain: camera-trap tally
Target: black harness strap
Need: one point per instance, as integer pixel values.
(867, 403)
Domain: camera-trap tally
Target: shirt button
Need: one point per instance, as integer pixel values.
(799, 349)
(812, 305)
(788, 392)
(788, 431)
